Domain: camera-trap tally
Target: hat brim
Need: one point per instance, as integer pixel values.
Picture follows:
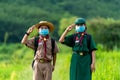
(50, 25)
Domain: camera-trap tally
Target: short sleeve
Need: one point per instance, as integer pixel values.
(56, 50)
(92, 44)
(69, 41)
(30, 43)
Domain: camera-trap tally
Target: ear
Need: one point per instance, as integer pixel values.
(85, 27)
(38, 29)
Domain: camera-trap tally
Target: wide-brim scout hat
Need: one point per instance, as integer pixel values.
(80, 21)
(45, 23)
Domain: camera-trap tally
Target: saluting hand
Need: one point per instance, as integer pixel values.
(31, 29)
(69, 28)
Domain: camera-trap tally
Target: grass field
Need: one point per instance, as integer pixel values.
(15, 63)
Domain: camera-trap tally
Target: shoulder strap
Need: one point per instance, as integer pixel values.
(36, 44)
(53, 45)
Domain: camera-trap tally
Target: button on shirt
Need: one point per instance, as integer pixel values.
(40, 50)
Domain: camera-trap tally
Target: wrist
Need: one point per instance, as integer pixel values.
(27, 33)
(66, 31)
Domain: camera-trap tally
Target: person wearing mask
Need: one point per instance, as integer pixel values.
(44, 58)
(83, 47)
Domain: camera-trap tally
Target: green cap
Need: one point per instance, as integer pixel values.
(80, 21)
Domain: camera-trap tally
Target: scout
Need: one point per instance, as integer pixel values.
(44, 59)
(83, 46)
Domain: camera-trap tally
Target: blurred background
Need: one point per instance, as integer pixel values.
(103, 23)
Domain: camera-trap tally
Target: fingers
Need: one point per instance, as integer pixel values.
(73, 25)
(69, 28)
(92, 67)
(31, 29)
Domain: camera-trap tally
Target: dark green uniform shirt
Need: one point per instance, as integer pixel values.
(87, 43)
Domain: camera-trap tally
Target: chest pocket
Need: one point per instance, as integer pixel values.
(81, 48)
(77, 47)
(49, 47)
(40, 45)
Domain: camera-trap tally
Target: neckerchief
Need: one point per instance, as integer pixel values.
(81, 37)
(44, 38)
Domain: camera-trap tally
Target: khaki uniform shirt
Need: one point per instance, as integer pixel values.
(40, 50)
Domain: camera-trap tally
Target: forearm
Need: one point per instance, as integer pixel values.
(69, 28)
(24, 40)
(93, 57)
(63, 36)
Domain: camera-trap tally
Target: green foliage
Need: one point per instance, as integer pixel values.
(6, 37)
(107, 65)
(18, 15)
(64, 23)
(15, 19)
(105, 31)
(18, 63)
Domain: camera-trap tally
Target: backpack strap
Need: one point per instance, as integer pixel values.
(53, 46)
(36, 44)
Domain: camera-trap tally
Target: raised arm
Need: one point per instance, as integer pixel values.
(69, 28)
(25, 38)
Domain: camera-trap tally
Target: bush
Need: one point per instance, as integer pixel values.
(105, 31)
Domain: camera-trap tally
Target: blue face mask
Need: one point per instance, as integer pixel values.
(80, 28)
(43, 32)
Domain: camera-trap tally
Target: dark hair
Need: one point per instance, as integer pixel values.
(45, 25)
